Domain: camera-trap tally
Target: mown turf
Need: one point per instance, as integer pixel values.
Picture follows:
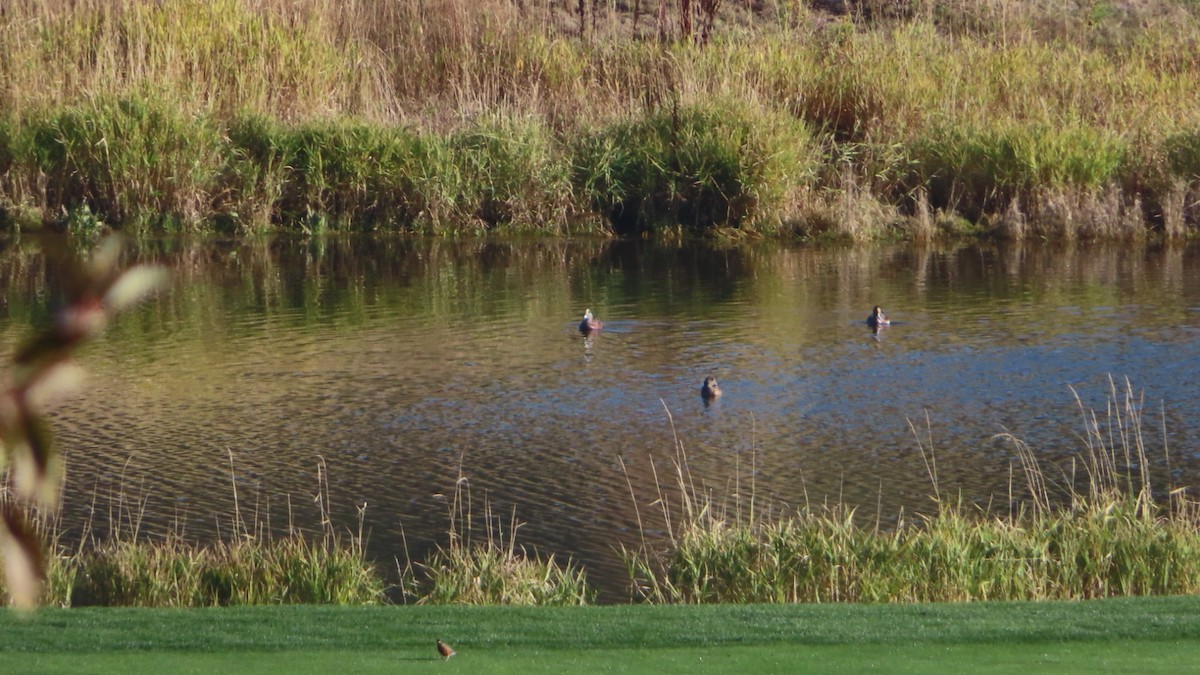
(1119, 635)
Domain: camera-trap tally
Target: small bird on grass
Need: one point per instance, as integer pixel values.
(445, 650)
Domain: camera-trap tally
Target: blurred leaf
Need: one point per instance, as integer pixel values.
(36, 467)
(83, 319)
(56, 381)
(24, 562)
(134, 285)
(13, 411)
(42, 347)
(104, 259)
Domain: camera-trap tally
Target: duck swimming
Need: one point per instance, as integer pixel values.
(589, 323)
(710, 388)
(877, 318)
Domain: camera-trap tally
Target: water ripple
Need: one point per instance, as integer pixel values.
(437, 364)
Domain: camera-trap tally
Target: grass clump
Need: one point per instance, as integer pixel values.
(1179, 190)
(492, 569)
(246, 571)
(1110, 538)
(1183, 154)
(496, 175)
(253, 175)
(700, 166)
(322, 175)
(132, 160)
(518, 175)
(980, 171)
(1050, 182)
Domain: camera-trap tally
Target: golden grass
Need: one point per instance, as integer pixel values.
(1077, 107)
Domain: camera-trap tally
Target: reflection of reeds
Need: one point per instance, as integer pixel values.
(1111, 538)
(489, 568)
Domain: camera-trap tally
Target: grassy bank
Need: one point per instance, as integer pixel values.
(895, 119)
(1142, 635)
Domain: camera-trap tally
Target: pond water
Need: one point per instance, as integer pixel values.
(399, 365)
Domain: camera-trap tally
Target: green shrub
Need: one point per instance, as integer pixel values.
(131, 160)
(981, 171)
(1183, 154)
(698, 167)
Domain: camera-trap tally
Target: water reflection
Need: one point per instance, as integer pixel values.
(398, 361)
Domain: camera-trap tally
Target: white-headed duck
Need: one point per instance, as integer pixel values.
(589, 323)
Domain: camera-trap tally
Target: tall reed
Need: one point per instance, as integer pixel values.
(134, 161)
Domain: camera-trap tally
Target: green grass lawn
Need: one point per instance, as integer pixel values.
(1121, 635)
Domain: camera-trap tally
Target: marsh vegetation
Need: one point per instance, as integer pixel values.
(860, 119)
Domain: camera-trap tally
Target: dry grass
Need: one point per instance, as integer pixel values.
(1075, 112)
